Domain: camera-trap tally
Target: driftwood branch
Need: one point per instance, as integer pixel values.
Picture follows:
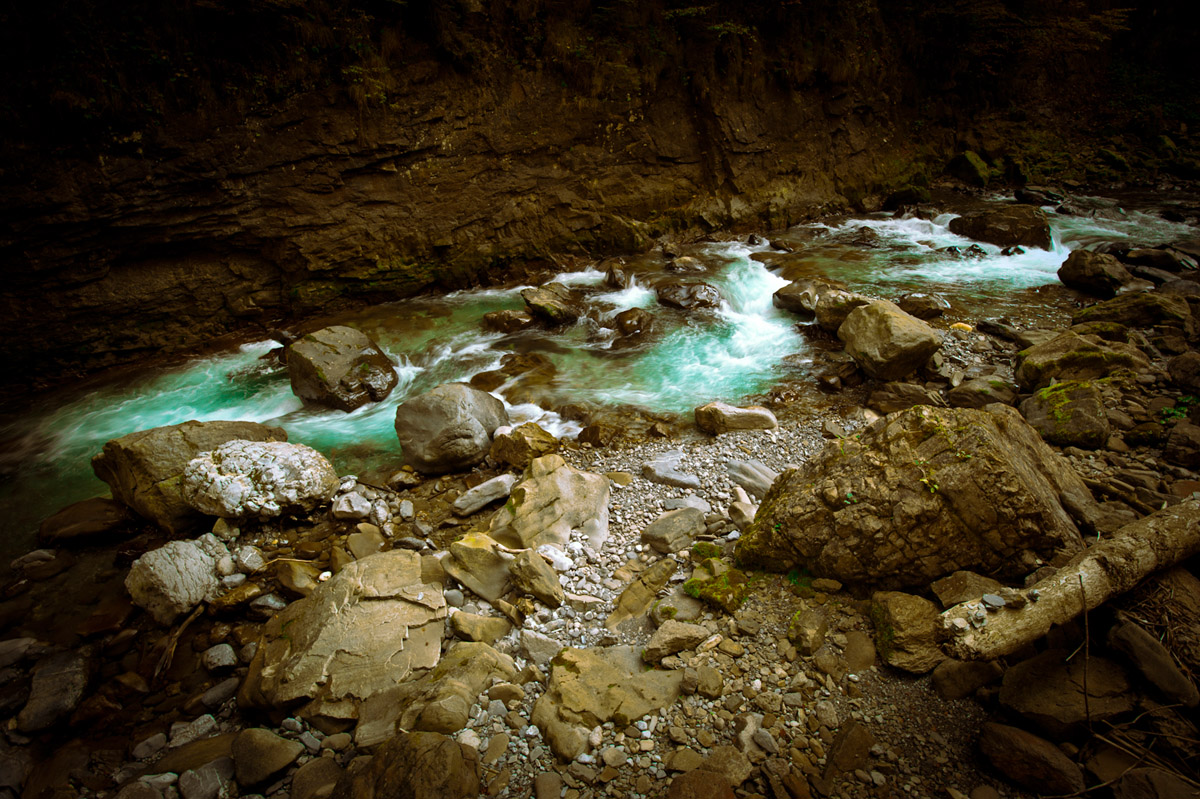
(1090, 579)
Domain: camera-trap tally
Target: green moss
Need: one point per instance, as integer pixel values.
(703, 550)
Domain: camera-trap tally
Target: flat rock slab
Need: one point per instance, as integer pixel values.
(664, 469)
(551, 501)
(1048, 690)
(1029, 761)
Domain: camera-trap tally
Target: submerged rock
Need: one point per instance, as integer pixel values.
(246, 479)
(340, 367)
(922, 493)
(143, 469)
(448, 428)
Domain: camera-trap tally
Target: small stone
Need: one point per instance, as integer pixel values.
(219, 658)
(993, 602)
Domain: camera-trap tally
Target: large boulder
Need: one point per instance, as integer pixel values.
(1062, 695)
(340, 367)
(834, 306)
(1068, 356)
(331, 644)
(887, 343)
(1142, 309)
(1029, 761)
(687, 295)
(1008, 226)
(920, 494)
(1069, 414)
(174, 578)
(144, 470)
(550, 502)
(414, 765)
(448, 428)
(1096, 273)
(552, 303)
(258, 479)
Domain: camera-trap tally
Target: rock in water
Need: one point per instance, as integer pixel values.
(522, 444)
(1095, 273)
(887, 343)
(923, 493)
(414, 765)
(340, 367)
(143, 469)
(172, 579)
(1014, 225)
(242, 479)
(687, 296)
(553, 303)
(448, 428)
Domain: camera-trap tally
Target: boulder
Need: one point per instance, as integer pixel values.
(1048, 691)
(1008, 226)
(448, 428)
(887, 343)
(84, 522)
(1095, 273)
(533, 576)
(833, 307)
(1031, 762)
(552, 303)
(634, 322)
(673, 637)
(687, 296)
(717, 418)
(507, 321)
(477, 498)
(1152, 783)
(639, 595)
(920, 494)
(1143, 309)
(330, 644)
(1152, 660)
(1069, 414)
(173, 579)
(906, 631)
(699, 784)
(958, 679)
(589, 687)
(551, 501)
(414, 765)
(521, 445)
(483, 629)
(144, 469)
(981, 391)
(923, 306)
(258, 479)
(340, 367)
(58, 686)
(1068, 356)
(963, 586)
(479, 564)
(892, 397)
(807, 630)
(674, 530)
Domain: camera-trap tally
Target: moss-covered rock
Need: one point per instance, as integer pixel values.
(1069, 414)
(969, 168)
(1141, 310)
(1072, 357)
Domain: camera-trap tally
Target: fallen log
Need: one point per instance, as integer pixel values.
(1091, 578)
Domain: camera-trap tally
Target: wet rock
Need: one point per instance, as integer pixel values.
(340, 367)
(328, 645)
(84, 522)
(532, 575)
(59, 683)
(1038, 195)
(1048, 691)
(1029, 761)
(522, 444)
(674, 530)
(209, 781)
(923, 306)
(414, 765)
(672, 637)
(258, 479)
(316, 779)
(906, 631)
(1153, 662)
(892, 397)
(143, 469)
(1014, 225)
(553, 303)
(507, 321)
(1069, 413)
(172, 580)
(926, 492)
(980, 391)
(717, 418)
(887, 343)
(551, 500)
(593, 686)
(664, 469)
(833, 308)
(687, 296)
(484, 494)
(634, 322)
(448, 428)
(1095, 273)
(968, 167)
(259, 754)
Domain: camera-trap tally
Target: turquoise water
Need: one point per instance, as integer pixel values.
(691, 358)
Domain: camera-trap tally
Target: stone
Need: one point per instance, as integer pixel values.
(922, 493)
(1183, 445)
(923, 306)
(521, 445)
(507, 321)
(144, 469)
(480, 564)
(172, 579)
(476, 499)
(1185, 369)
(1143, 309)
(351, 506)
(198, 753)
(958, 679)
(341, 368)
(547, 785)
(850, 750)
(260, 754)
(1094, 273)
(887, 343)
(531, 574)
(1008, 226)
(219, 658)
(207, 782)
(551, 501)
(1152, 783)
(963, 586)
(634, 322)
(892, 397)
(687, 295)
(553, 303)
(593, 686)
(84, 522)
(414, 765)
(448, 428)
(1029, 761)
(717, 418)
(727, 762)
(1069, 414)
(754, 476)
(58, 686)
(637, 598)
(1072, 357)
(258, 479)
(329, 644)
(473, 627)
(316, 778)
(1047, 690)
(674, 530)
(676, 605)
(859, 652)
(906, 631)
(539, 648)
(981, 391)
(700, 785)
(664, 469)
(671, 637)
(807, 630)
(833, 307)
(1152, 660)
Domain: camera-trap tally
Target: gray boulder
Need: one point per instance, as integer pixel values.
(248, 479)
(887, 343)
(448, 428)
(144, 469)
(173, 579)
(340, 367)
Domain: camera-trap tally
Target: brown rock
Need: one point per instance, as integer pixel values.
(1015, 225)
(520, 446)
(414, 765)
(1048, 691)
(340, 367)
(700, 785)
(906, 631)
(84, 522)
(1029, 761)
(260, 754)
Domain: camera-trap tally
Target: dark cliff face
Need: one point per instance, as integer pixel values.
(174, 171)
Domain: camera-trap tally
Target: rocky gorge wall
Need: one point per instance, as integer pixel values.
(159, 191)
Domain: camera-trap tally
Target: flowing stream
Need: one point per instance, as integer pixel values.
(738, 350)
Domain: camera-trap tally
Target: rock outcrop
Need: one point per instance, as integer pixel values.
(340, 367)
